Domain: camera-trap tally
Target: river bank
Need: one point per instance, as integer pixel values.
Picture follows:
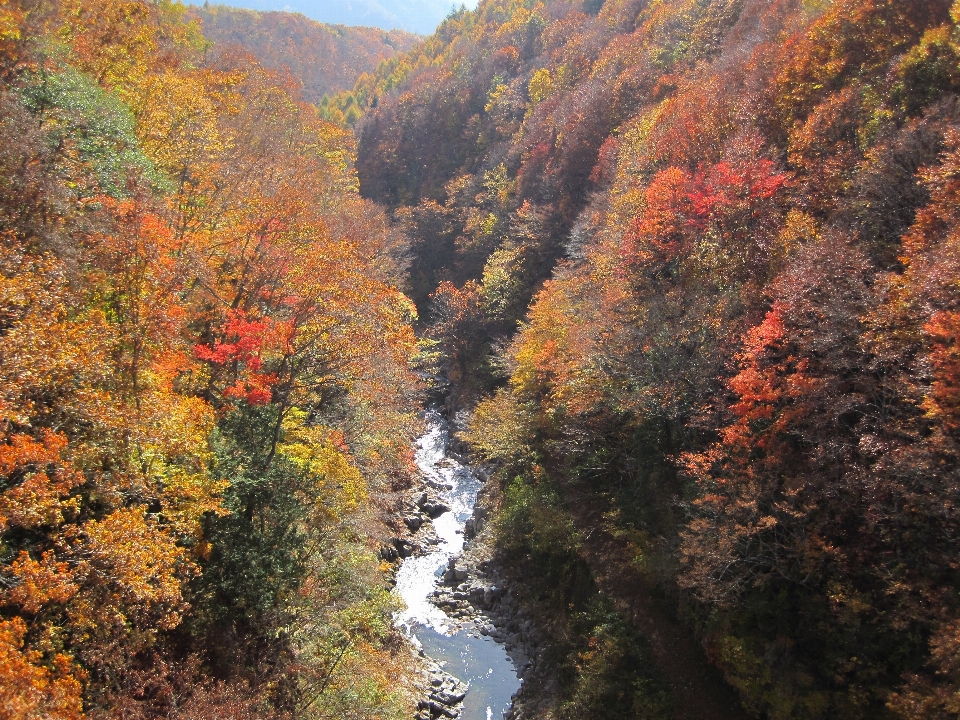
(478, 591)
(458, 614)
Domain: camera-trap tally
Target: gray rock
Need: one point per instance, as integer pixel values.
(404, 547)
(388, 553)
(434, 508)
(448, 698)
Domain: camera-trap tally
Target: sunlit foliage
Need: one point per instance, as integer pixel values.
(205, 378)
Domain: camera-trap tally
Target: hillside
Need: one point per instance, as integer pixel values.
(694, 267)
(415, 16)
(325, 58)
(205, 388)
(681, 278)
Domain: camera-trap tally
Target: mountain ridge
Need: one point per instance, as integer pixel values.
(324, 57)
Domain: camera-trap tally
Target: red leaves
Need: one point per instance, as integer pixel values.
(725, 189)
(247, 337)
(732, 201)
(242, 345)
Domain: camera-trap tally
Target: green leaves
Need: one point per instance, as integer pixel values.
(92, 127)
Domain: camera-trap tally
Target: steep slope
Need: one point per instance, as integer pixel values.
(728, 230)
(205, 385)
(325, 58)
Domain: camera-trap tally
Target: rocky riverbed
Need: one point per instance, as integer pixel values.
(476, 592)
(476, 644)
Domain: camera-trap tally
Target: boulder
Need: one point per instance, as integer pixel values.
(388, 553)
(404, 547)
(434, 508)
(413, 522)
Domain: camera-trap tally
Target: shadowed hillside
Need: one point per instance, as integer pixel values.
(701, 260)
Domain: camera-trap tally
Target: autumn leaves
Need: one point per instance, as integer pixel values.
(183, 243)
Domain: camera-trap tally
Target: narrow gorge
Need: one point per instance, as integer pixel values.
(451, 612)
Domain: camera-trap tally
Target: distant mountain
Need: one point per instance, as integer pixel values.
(325, 58)
(418, 16)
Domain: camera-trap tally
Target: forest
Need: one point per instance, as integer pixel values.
(690, 267)
(206, 382)
(323, 58)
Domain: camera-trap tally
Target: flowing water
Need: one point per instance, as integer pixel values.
(477, 660)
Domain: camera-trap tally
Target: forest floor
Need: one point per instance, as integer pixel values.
(699, 688)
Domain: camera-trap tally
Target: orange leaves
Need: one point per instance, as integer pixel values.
(131, 574)
(138, 560)
(660, 227)
(556, 357)
(37, 584)
(236, 261)
(764, 336)
(30, 687)
(770, 385)
(943, 402)
(760, 384)
(853, 38)
(756, 392)
(38, 482)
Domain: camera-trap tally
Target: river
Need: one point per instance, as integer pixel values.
(477, 660)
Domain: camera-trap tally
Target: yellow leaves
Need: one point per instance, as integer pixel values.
(555, 355)
(115, 40)
(540, 86)
(321, 451)
(44, 354)
(496, 97)
(172, 456)
(178, 117)
(101, 521)
(140, 562)
(500, 428)
(30, 688)
(10, 20)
